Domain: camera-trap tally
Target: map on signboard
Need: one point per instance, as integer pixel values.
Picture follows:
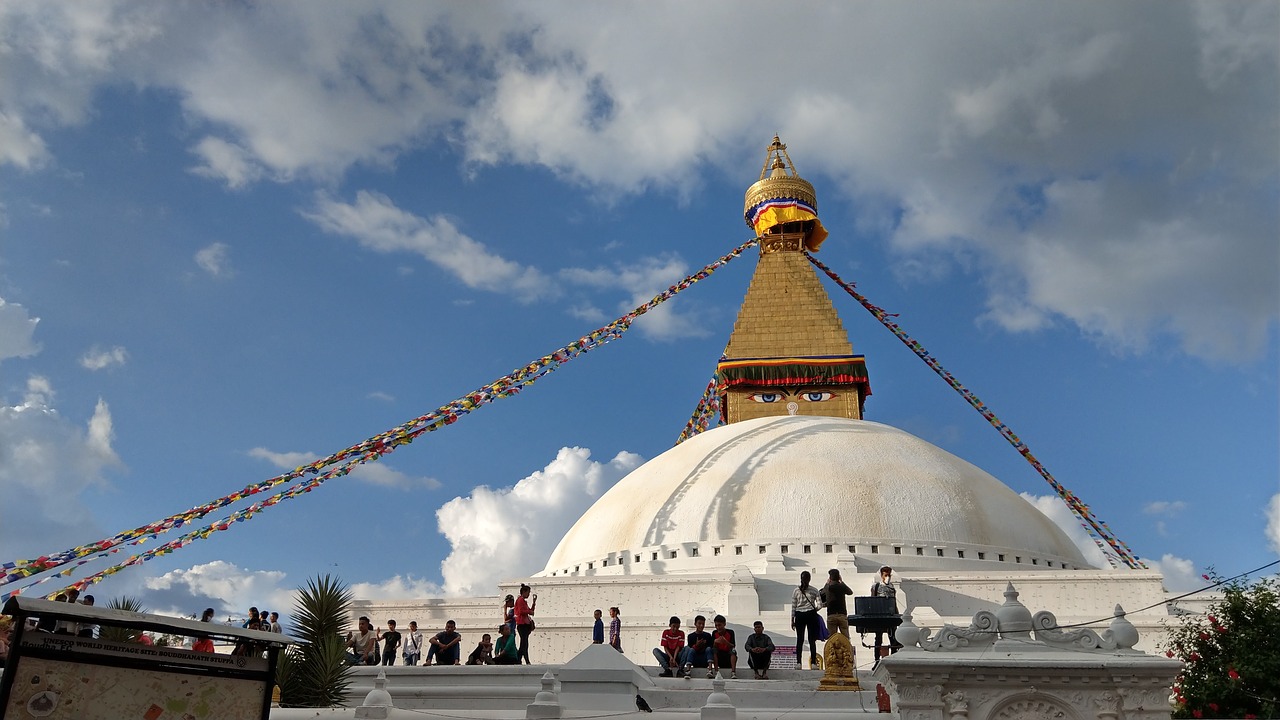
(65, 691)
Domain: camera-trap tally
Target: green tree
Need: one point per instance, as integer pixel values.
(315, 673)
(1232, 669)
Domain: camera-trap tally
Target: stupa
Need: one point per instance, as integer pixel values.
(796, 479)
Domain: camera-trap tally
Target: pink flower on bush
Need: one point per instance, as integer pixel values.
(1197, 714)
(1231, 673)
(1193, 657)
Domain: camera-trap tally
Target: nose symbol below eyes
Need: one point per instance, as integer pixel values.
(792, 408)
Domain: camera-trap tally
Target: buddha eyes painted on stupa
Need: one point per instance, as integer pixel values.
(776, 397)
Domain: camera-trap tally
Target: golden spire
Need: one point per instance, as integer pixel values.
(789, 354)
(782, 202)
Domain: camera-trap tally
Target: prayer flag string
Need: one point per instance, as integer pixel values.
(708, 407)
(1096, 528)
(342, 462)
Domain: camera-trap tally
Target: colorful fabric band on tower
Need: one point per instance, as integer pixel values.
(776, 211)
(781, 372)
(339, 463)
(1096, 528)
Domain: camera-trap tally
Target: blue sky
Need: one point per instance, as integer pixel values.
(237, 237)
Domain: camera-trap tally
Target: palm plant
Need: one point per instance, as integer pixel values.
(315, 673)
(121, 634)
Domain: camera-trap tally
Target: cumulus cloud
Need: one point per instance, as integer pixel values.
(589, 313)
(98, 358)
(1179, 573)
(221, 159)
(1168, 508)
(1056, 510)
(1273, 523)
(56, 56)
(397, 587)
(374, 473)
(375, 222)
(1165, 510)
(641, 280)
(1113, 172)
(215, 259)
(227, 588)
(231, 590)
(18, 145)
(507, 532)
(17, 331)
(47, 461)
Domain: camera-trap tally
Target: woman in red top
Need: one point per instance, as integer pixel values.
(524, 621)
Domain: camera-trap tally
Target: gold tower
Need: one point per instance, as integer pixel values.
(789, 354)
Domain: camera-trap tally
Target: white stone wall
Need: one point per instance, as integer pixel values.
(565, 604)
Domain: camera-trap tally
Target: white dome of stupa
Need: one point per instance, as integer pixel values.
(806, 484)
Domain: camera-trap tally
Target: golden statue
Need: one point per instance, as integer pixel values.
(838, 658)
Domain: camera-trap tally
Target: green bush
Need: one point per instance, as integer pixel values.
(1232, 669)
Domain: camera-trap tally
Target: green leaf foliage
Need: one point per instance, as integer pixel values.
(119, 634)
(1232, 669)
(314, 673)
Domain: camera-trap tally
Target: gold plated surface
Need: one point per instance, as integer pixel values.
(779, 179)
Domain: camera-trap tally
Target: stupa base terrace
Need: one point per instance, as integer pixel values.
(1004, 663)
(763, 592)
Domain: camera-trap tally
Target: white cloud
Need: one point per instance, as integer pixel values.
(588, 312)
(227, 162)
(1165, 510)
(374, 473)
(1179, 573)
(46, 463)
(98, 358)
(380, 473)
(1273, 523)
(1164, 507)
(1114, 170)
(229, 589)
(397, 588)
(376, 223)
(381, 396)
(641, 280)
(215, 259)
(56, 56)
(17, 331)
(508, 532)
(18, 145)
(283, 460)
(1056, 510)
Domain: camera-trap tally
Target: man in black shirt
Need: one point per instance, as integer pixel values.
(445, 645)
(698, 651)
(390, 643)
(833, 594)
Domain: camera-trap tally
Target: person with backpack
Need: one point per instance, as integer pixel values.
(883, 587)
(833, 596)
